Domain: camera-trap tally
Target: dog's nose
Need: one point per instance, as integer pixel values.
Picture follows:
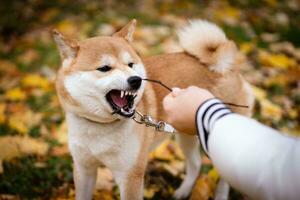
(134, 82)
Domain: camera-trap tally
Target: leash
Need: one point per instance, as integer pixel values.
(148, 121)
(162, 126)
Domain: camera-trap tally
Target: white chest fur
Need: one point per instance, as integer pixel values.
(114, 144)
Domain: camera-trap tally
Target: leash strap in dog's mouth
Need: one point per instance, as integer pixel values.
(158, 82)
(168, 88)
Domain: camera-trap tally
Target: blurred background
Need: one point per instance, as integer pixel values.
(34, 159)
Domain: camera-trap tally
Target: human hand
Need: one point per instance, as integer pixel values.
(181, 106)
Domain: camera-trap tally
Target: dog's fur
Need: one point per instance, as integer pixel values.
(96, 136)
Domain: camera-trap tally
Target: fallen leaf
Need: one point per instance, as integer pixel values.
(8, 68)
(228, 14)
(247, 47)
(60, 133)
(204, 188)
(269, 110)
(67, 27)
(15, 94)
(36, 81)
(162, 152)
(60, 150)
(214, 174)
(150, 192)
(172, 169)
(280, 60)
(23, 120)
(168, 150)
(28, 56)
(272, 3)
(16, 146)
(103, 195)
(2, 113)
(175, 149)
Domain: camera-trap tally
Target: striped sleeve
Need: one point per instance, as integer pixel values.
(207, 114)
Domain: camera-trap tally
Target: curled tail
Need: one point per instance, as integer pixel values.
(209, 44)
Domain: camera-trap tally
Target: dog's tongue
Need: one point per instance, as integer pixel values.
(116, 97)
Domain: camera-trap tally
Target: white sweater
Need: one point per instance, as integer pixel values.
(253, 158)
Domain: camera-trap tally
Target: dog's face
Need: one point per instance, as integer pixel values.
(100, 78)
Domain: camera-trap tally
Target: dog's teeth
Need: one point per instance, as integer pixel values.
(122, 94)
(126, 93)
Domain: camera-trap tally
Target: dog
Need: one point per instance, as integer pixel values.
(100, 86)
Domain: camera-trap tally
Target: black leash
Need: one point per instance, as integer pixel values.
(168, 88)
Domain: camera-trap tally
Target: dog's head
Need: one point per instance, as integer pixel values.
(101, 77)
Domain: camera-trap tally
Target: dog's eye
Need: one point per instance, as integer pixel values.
(104, 68)
(130, 64)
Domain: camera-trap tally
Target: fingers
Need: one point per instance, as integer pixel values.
(176, 91)
(167, 101)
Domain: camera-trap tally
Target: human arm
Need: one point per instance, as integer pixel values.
(255, 159)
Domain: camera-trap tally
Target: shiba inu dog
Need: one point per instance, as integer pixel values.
(100, 86)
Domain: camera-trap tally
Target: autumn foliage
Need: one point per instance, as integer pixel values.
(34, 158)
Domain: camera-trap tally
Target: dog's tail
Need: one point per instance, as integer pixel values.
(209, 44)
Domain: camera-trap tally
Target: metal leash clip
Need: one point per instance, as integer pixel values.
(148, 121)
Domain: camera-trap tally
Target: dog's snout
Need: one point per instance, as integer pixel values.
(134, 82)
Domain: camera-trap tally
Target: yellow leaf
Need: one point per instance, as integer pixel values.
(168, 150)
(15, 123)
(247, 47)
(213, 173)
(61, 134)
(67, 27)
(100, 194)
(21, 121)
(15, 94)
(272, 3)
(269, 110)
(227, 14)
(150, 192)
(258, 92)
(2, 113)
(162, 152)
(280, 61)
(16, 146)
(204, 188)
(279, 79)
(293, 113)
(35, 81)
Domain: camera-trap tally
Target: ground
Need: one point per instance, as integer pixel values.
(34, 158)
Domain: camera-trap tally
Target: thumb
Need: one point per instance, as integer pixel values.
(176, 91)
(167, 101)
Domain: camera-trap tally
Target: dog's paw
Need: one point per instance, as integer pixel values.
(182, 192)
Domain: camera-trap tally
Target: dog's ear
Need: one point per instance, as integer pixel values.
(127, 31)
(67, 48)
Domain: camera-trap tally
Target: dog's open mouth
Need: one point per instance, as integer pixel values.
(122, 102)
